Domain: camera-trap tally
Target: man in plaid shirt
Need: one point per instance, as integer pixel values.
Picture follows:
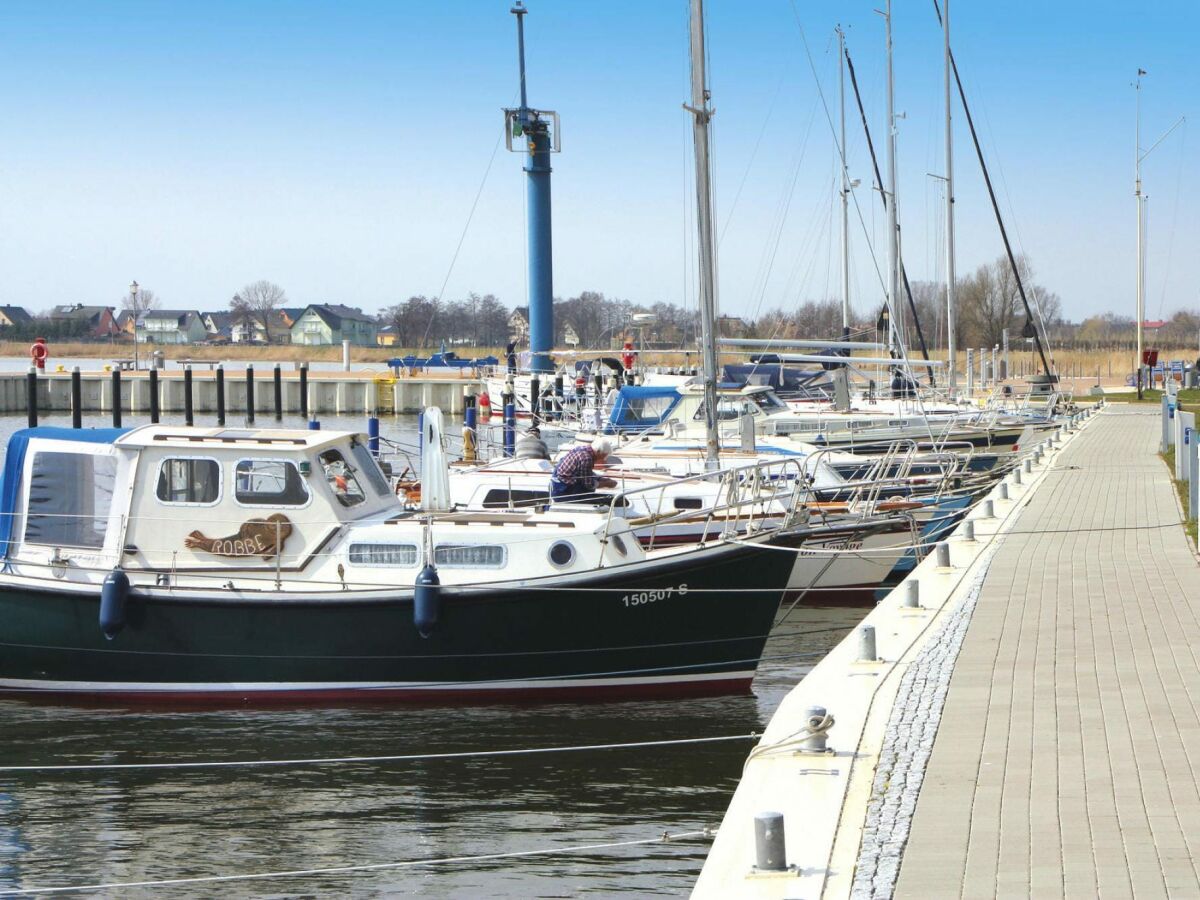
(575, 477)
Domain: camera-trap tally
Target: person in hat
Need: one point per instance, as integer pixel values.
(575, 476)
(531, 446)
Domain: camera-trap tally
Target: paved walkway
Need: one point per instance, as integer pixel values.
(1068, 758)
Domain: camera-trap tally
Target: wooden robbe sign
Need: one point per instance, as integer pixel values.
(256, 537)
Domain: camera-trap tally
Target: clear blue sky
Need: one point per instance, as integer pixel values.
(337, 148)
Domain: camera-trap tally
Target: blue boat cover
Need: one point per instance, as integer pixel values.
(640, 407)
(14, 465)
(444, 360)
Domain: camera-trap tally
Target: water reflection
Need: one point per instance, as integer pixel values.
(138, 825)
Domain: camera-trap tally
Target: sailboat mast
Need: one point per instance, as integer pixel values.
(950, 273)
(893, 226)
(845, 187)
(701, 119)
(1137, 196)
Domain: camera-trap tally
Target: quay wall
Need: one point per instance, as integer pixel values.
(328, 392)
(824, 797)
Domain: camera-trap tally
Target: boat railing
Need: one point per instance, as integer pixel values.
(761, 496)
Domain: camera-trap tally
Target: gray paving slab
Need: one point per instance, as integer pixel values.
(1068, 751)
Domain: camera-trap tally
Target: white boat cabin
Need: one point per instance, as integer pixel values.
(262, 509)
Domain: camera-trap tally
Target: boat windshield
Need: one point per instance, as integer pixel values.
(369, 469)
(339, 474)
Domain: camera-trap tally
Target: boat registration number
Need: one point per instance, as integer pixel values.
(641, 598)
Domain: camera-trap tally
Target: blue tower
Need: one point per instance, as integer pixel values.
(539, 129)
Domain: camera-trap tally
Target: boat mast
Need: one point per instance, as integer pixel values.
(845, 187)
(1137, 196)
(893, 224)
(701, 119)
(537, 131)
(950, 273)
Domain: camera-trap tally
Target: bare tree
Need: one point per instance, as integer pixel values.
(242, 313)
(262, 298)
(140, 301)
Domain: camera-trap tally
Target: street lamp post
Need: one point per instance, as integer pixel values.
(133, 309)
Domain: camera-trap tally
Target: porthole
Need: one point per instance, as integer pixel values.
(619, 545)
(562, 554)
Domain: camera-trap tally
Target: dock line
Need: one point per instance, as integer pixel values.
(664, 838)
(334, 760)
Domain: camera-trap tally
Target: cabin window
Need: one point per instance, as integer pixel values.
(368, 467)
(269, 482)
(340, 476)
(70, 497)
(689, 503)
(727, 410)
(189, 480)
(562, 554)
(498, 498)
(470, 556)
(383, 554)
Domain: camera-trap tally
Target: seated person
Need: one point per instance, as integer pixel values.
(575, 478)
(531, 446)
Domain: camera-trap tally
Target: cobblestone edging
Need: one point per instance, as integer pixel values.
(907, 743)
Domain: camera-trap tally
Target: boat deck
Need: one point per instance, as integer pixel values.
(1067, 761)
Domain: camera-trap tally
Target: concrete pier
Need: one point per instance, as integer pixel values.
(1027, 730)
(1067, 762)
(328, 392)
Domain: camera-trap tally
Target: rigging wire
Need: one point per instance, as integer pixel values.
(753, 155)
(463, 236)
(833, 131)
(1174, 218)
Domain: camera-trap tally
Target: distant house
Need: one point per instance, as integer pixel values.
(171, 326)
(98, 321)
(518, 324)
(218, 325)
(329, 323)
(250, 329)
(570, 337)
(387, 336)
(126, 323)
(14, 315)
(291, 314)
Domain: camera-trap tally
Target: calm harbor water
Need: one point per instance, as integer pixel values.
(86, 828)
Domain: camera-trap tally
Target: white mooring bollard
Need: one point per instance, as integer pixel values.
(943, 555)
(769, 846)
(866, 644)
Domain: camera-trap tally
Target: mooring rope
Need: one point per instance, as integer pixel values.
(664, 838)
(337, 760)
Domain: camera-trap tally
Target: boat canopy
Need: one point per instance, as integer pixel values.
(640, 407)
(784, 379)
(14, 467)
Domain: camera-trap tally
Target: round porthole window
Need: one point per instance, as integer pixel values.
(562, 554)
(619, 545)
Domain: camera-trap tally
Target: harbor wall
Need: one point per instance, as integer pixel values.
(824, 796)
(328, 392)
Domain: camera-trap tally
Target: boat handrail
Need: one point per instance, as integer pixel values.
(744, 491)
